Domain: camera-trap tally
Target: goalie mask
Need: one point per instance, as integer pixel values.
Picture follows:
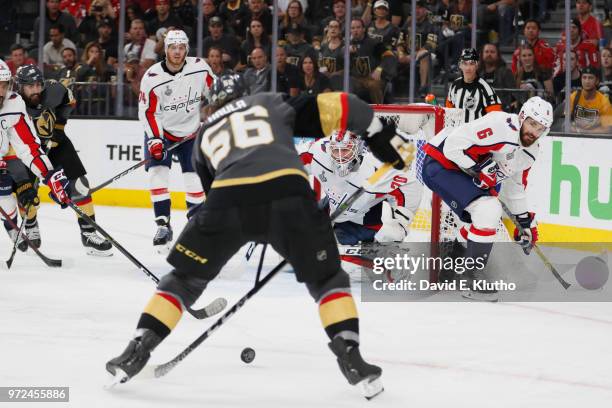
(346, 151)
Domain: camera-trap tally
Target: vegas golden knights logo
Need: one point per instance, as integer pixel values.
(362, 66)
(456, 22)
(293, 60)
(45, 123)
(329, 63)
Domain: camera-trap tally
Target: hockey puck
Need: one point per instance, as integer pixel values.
(247, 355)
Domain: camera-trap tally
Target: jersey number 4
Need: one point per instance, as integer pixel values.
(484, 133)
(247, 129)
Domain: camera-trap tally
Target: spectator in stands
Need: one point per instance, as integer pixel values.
(68, 74)
(107, 41)
(460, 20)
(132, 12)
(494, 71)
(19, 57)
(99, 10)
(184, 10)
(381, 28)
(592, 29)
(531, 78)
(215, 60)
(283, 7)
(52, 51)
(503, 10)
(164, 18)
(591, 111)
(365, 10)
(559, 80)
(295, 16)
(372, 65)
(93, 66)
(544, 54)
(256, 38)
(234, 12)
(426, 43)
(54, 16)
(297, 47)
(331, 54)
(258, 10)
(228, 43)
(141, 47)
(209, 10)
(257, 76)
(339, 13)
(605, 86)
(287, 75)
(587, 52)
(311, 81)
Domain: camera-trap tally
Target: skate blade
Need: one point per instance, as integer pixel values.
(120, 377)
(95, 252)
(370, 387)
(481, 297)
(163, 249)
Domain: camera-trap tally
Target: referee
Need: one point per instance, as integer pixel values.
(470, 92)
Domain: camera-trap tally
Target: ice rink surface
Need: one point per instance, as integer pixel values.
(58, 327)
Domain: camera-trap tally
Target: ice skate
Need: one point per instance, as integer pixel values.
(134, 357)
(33, 233)
(359, 373)
(22, 245)
(95, 244)
(163, 238)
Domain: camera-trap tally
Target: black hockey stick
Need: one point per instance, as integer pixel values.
(536, 248)
(137, 165)
(53, 263)
(211, 309)
(9, 262)
(521, 230)
(156, 371)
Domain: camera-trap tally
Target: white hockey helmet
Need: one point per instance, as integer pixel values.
(346, 151)
(5, 76)
(176, 37)
(539, 110)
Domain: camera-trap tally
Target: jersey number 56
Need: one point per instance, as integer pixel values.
(248, 128)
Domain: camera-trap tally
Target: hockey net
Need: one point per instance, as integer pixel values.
(434, 221)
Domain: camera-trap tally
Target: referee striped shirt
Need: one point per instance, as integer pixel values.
(476, 98)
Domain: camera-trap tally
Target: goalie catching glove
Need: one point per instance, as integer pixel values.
(530, 231)
(396, 229)
(388, 145)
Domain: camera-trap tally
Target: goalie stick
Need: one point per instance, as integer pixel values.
(138, 165)
(52, 263)
(156, 371)
(211, 309)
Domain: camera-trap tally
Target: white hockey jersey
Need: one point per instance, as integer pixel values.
(496, 134)
(17, 130)
(169, 104)
(397, 188)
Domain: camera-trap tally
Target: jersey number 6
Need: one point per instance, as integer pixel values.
(246, 132)
(484, 133)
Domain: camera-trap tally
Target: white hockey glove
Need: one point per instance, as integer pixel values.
(396, 229)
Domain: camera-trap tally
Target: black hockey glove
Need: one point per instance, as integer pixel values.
(27, 195)
(387, 145)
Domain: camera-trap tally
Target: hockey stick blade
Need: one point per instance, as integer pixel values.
(52, 263)
(213, 308)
